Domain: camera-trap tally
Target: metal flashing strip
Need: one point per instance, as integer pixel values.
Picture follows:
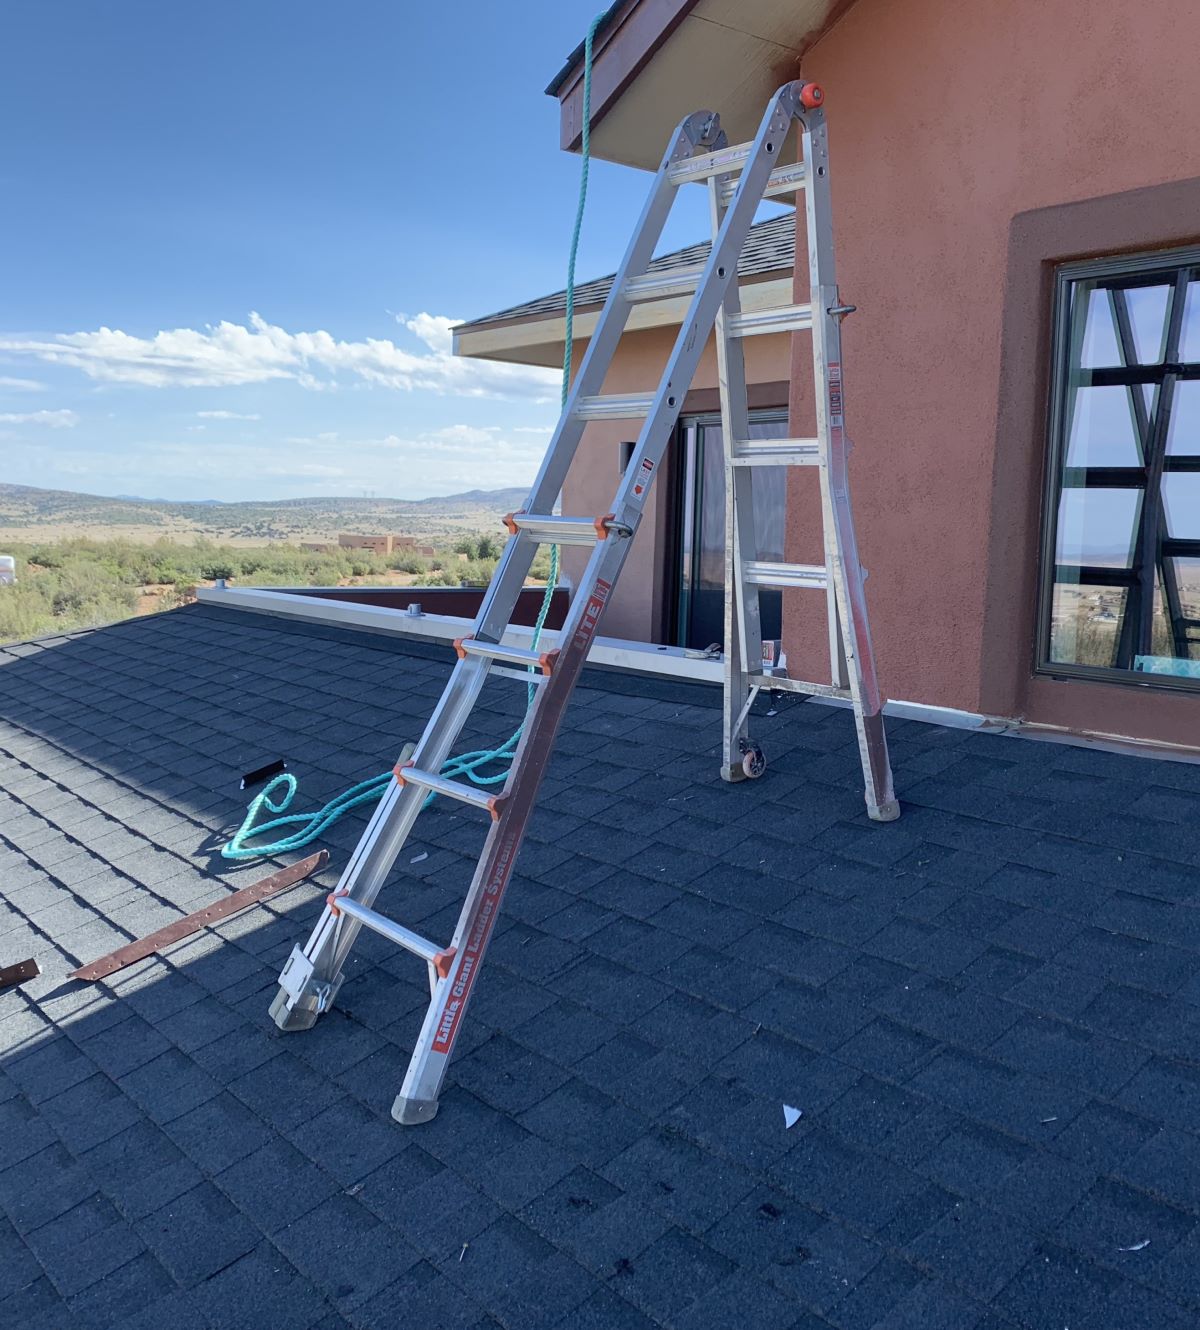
(188, 924)
(648, 658)
(610, 652)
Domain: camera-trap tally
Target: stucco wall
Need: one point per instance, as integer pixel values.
(947, 120)
(635, 610)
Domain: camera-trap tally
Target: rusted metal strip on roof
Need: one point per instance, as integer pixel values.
(192, 923)
(11, 975)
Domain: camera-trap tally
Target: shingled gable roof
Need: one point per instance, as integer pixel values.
(770, 247)
(987, 1012)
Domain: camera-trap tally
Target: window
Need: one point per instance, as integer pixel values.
(1121, 548)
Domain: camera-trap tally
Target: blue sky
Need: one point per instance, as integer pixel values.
(236, 235)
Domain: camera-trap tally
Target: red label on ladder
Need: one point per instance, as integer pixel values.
(644, 478)
(473, 948)
(835, 395)
(591, 613)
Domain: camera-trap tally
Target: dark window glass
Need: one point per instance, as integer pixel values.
(701, 601)
(1121, 581)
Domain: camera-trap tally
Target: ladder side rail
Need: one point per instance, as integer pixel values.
(382, 842)
(417, 1100)
(496, 609)
(333, 935)
(845, 571)
(826, 331)
(742, 623)
(720, 270)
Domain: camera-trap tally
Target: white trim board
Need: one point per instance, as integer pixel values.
(648, 658)
(612, 652)
(537, 339)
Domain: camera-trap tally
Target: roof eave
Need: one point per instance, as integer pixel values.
(764, 42)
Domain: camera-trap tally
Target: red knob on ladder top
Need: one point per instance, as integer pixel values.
(811, 96)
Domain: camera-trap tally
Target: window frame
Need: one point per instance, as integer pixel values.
(1181, 266)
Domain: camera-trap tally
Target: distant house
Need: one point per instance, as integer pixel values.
(379, 544)
(375, 544)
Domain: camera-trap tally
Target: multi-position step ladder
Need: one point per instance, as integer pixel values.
(740, 177)
(852, 662)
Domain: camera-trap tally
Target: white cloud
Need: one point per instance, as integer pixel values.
(52, 419)
(228, 415)
(432, 329)
(231, 354)
(22, 385)
(464, 434)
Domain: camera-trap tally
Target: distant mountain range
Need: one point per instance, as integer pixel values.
(27, 513)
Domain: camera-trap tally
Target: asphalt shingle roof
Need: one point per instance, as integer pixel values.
(988, 1013)
(770, 247)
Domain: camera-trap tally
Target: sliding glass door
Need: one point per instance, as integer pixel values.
(699, 619)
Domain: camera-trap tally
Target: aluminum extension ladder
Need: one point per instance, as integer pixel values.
(741, 176)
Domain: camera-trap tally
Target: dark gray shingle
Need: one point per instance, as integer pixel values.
(770, 247)
(987, 1011)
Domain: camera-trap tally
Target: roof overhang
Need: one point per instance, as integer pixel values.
(539, 340)
(655, 61)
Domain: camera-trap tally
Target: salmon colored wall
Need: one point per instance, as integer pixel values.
(946, 121)
(635, 610)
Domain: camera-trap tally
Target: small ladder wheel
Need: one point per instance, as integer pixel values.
(753, 761)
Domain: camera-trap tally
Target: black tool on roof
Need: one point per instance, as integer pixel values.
(259, 774)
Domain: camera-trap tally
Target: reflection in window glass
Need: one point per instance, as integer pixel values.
(1085, 624)
(1184, 576)
(1096, 527)
(1181, 500)
(1147, 307)
(1103, 431)
(1183, 434)
(1189, 345)
(1100, 345)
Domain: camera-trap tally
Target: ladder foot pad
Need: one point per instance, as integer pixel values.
(412, 1112)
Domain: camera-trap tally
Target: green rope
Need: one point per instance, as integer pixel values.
(310, 825)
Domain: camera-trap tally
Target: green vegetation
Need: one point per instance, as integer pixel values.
(68, 584)
(37, 514)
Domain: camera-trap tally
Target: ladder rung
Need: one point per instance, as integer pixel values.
(538, 660)
(780, 683)
(452, 789)
(521, 676)
(706, 164)
(659, 285)
(609, 406)
(782, 180)
(759, 573)
(785, 318)
(438, 957)
(555, 530)
(777, 452)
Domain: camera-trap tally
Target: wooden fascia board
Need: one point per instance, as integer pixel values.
(624, 50)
